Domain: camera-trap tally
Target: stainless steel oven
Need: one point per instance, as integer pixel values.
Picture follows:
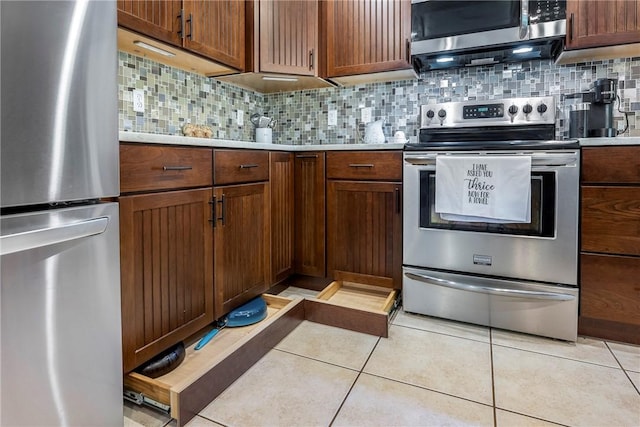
(519, 276)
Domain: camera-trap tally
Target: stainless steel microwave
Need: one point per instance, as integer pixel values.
(442, 26)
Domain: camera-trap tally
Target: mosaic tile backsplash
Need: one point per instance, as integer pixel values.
(174, 97)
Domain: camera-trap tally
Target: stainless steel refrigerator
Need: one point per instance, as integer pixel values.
(60, 328)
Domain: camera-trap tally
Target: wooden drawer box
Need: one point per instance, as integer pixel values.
(353, 306)
(206, 373)
(152, 167)
(238, 166)
(619, 164)
(611, 220)
(610, 303)
(364, 165)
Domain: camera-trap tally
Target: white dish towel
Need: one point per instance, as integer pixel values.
(484, 188)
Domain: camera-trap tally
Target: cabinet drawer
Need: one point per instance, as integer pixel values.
(236, 166)
(354, 306)
(365, 165)
(618, 164)
(206, 373)
(610, 293)
(150, 167)
(611, 220)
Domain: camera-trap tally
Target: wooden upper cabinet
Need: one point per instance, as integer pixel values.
(216, 29)
(602, 23)
(157, 19)
(211, 28)
(289, 37)
(366, 36)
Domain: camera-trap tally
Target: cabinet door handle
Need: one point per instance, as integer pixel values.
(361, 165)
(222, 209)
(408, 50)
(248, 166)
(398, 200)
(181, 18)
(177, 168)
(311, 59)
(191, 32)
(307, 156)
(570, 28)
(212, 202)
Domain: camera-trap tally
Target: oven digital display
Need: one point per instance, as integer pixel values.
(488, 111)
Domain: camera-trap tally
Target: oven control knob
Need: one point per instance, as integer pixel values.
(513, 110)
(542, 108)
(527, 108)
(430, 114)
(442, 113)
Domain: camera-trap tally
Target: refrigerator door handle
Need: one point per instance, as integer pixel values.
(519, 293)
(49, 236)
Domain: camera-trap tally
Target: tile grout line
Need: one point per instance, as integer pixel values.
(622, 367)
(360, 372)
(493, 380)
(440, 333)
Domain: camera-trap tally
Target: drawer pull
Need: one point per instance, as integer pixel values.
(361, 165)
(307, 156)
(248, 166)
(222, 209)
(177, 168)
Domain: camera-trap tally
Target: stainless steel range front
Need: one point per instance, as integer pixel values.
(518, 275)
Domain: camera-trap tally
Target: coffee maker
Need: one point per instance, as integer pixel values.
(591, 113)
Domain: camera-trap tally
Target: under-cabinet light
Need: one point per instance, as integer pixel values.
(153, 48)
(523, 50)
(445, 59)
(280, 79)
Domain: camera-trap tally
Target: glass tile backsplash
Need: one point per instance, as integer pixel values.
(174, 97)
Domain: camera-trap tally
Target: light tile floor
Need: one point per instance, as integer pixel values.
(429, 372)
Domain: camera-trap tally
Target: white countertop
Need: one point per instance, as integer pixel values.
(620, 140)
(153, 138)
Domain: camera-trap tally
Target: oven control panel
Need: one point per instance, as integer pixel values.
(485, 111)
(502, 112)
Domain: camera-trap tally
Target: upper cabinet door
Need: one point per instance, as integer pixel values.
(289, 36)
(366, 36)
(157, 19)
(602, 23)
(216, 29)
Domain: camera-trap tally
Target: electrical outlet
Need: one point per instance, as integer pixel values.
(332, 118)
(365, 114)
(240, 117)
(138, 101)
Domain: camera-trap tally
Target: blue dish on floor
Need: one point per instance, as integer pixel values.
(251, 312)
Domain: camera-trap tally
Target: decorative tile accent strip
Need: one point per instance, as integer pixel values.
(174, 97)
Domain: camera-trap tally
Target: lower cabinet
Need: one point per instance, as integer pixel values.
(282, 215)
(241, 232)
(166, 243)
(610, 243)
(310, 227)
(364, 223)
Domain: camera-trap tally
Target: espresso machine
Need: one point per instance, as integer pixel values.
(591, 113)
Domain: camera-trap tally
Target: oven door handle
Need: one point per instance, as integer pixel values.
(537, 160)
(490, 289)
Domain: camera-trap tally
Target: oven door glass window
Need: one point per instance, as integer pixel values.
(543, 209)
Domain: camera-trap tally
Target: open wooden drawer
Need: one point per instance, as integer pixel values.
(206, 373)
(354, 306)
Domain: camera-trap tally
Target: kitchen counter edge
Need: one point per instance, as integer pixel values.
(152, 138)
